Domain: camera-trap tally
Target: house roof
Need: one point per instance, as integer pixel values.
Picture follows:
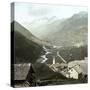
(21, 71)
(80, 66)
(42, 71)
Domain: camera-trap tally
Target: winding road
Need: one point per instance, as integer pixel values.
(54, 52)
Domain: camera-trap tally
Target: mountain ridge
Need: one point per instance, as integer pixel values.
(54, 30)
(21, 29)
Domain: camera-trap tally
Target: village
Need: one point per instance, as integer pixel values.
(70, 70)
(74, 70)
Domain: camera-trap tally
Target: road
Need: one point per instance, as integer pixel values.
(54, 52)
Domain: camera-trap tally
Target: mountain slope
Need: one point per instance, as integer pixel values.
(62, 32)
(26, 50)
(28, 34)
(72, 31)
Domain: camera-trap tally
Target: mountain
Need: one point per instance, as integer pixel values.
(41, 27)
(25, 44)
(71, 31)
(25, 32)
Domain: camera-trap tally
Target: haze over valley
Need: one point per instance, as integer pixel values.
(51, 41)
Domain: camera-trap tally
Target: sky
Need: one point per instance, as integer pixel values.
(27, 12)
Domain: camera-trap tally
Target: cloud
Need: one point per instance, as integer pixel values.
(39, 10)
(27, 12)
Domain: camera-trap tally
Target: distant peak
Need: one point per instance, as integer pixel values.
(80, 14)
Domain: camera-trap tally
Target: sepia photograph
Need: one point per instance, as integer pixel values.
(49, 44)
